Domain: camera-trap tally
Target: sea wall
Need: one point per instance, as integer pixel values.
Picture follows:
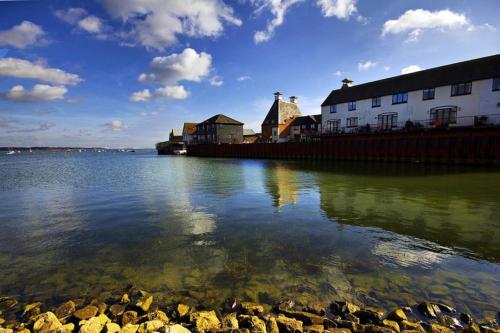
(459, 145)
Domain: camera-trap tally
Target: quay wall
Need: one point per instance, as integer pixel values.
(454, 146)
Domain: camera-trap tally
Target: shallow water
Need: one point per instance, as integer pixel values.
(201, 230)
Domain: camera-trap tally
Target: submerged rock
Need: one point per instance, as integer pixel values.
(397, 315)
(65, 310)
(129, 317)
(46, 322)
(86, 313)
(7, 303)
(205, 321)
(117, 310)
(289, 325)
(230, 322)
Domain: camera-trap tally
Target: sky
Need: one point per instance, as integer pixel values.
(123, 73)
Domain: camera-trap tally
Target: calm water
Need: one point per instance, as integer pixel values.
(202, 230)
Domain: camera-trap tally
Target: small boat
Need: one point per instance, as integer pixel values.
(11, 152)
(30, 150)
(130, 151)
(180, 152)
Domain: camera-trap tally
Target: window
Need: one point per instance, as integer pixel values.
(312, 126)
(387, 121)
(333, 126)
(428, 94)
(461, 89)
(303, 126)
(444, 116)
(400, 98)
(496, 84)
(333, 108)
(376, 102)
(352, 122)
(351, 106)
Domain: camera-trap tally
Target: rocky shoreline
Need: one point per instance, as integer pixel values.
(137, 312)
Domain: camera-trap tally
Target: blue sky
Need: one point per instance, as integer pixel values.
(122, 73)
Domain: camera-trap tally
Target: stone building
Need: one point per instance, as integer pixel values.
(219, 129)
(275, 127)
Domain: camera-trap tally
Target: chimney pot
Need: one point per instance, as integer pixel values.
(346, 83)
(278, 96)
(293, 99)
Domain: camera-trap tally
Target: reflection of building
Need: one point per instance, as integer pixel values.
(282, 184)
(461, 94)
(275, 127)
(219, 129)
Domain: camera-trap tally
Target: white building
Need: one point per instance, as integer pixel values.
(460, 94)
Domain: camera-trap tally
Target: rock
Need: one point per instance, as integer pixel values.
(397, 315)
(329, 323)
(102, 307)
(175, 329)
(450, 322)
(94, 324)
(32, 309)
(144, 302)
(445, 308)
(306, 317)
(129, 317)
(466, 318)
(289, 325)
(370, 328)
(314, 329)
(7, 303)
(230, 321)
(112, 328)
(125, 299)
(150, 326)
(117, 310)
(253, 323)
(65, 310)
(368, 316)
(339, 330)
(205, 321)
(315, 308)
(46, 322)
(436, 328)
(392, 324)
(251, 308)
(272, 326)
(2, 321)
(158, 315)
(230, 305)
(339, 308)
(85, 313)
(408, 325)
(472, 328)
(353, 326)
(129, 328)
(6, 330)
(428, 309)
(350, 317)
(182, 310)
(26, 330)
(67, 328)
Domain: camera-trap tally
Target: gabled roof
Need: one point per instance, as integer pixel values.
(306, 120)
(248, 131)
(176, 132)
(220, 119)
(466, 71)
(281, 110)
(190, 128)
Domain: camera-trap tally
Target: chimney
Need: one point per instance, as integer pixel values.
(278, 96)
(293, 99)
(346, 83)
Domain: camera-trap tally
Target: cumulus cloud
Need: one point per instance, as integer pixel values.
(148, 114)
(216, 81)
(414, 21)
(70, 15)
(363, 66)
(25, 69)
(411, 69)
(39, 93)
(157, 23)
(188, 65)
(116, 125)
(170, 92)
(244, 78)
(338, 73)
(79, 17)
(23, 35)
(40, 128)
(278, 9)
(341, 9)
(91, 24)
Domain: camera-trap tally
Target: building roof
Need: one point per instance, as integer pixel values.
(280, 111)
(471, 70)
(310, 119)
(220, 119)
(189, 128)
(176, 132)
(248, 131)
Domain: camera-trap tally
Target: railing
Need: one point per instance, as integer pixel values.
(412, 125)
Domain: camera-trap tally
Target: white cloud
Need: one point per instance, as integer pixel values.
(188, 65)
(70, 15)
(414, 21)
(148, 114)
(91, 24)
(39, 93)
(244, 78)
(116, 125)
(278, 9)
(363, 66)
(170, 92)
(387, 68)
(22, 35)
(338, 73)
(216, 81)
(25, 69)
(156, 23)
(411, 69)
(341, 9)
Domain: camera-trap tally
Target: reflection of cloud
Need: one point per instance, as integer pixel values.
(201, 222)
(405, 252)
